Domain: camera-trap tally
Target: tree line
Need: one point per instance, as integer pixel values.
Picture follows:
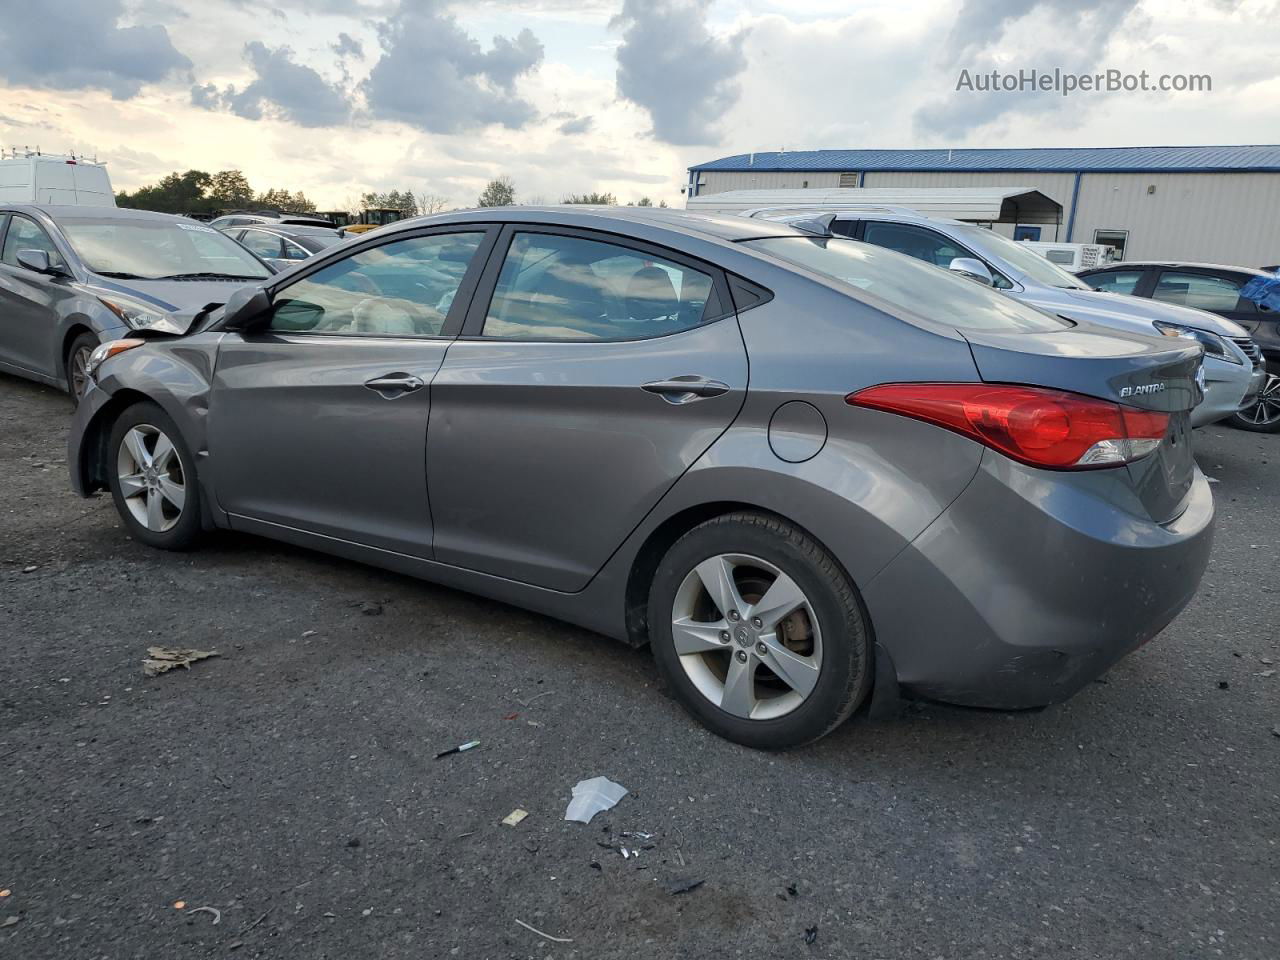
(198, 192)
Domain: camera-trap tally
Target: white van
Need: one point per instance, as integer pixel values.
(1073, 257)
(53, 179)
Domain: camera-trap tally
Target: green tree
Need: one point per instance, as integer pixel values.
(284, 201)
(230, 190)
(644, 202)
(500, 192)
(598, 199)
(176, 193)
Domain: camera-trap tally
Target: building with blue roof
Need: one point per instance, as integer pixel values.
(1214, 203)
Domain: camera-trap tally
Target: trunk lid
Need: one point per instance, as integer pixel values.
(1151, 373)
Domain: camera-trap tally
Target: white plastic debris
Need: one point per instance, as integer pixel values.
(592, 796)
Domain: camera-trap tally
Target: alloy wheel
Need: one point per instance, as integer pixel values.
(747, 636)
(151, 480)
(80, 371)
(1266, 410)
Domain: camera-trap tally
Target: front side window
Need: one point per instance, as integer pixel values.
(569, 288)
(404, 288)
(1117, 281)
(908, 284)
(26, 234)
(1215, 294)
(265, 245)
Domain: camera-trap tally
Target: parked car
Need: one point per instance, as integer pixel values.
(66, 180)
(283, 246)
(551, 406)
(246, 218)
(1215, 288)
(73, 277)
(1231, 380)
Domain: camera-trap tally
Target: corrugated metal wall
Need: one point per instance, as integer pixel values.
(1214, 217)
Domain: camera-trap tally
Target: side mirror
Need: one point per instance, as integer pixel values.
(973, 269)
(245, 308)
(37, 260)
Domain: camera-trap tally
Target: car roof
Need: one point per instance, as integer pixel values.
(715, 226)
(58, 211)
(1178, 264)
(292, 229)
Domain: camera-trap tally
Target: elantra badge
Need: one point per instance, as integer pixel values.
(1141, 391)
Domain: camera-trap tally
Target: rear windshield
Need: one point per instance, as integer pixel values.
(140, 249)
(910, 284)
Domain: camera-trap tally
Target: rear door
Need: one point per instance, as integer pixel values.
(319, 421)
(592, 372)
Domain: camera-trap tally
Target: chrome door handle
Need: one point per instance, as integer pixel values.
(395, 384)
(683, 389)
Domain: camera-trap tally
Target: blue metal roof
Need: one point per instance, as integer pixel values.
(1061, 159)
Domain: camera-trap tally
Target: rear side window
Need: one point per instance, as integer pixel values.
(265, 245)
(914, 242)
(26, 234)
(1215, 294)
(555, 287)
(401, 289)
(1117, 281)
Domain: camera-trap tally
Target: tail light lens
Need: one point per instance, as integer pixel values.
(1037, 426)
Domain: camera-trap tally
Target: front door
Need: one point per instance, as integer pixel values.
(29, 300)
(319, 421)
(591, 374)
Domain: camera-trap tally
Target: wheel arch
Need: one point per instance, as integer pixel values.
(94, 456)
(75, 329)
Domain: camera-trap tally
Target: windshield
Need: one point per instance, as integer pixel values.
(911, 284)
(158, 249)
(1023, 259)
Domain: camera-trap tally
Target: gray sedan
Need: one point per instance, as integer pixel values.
(74, 277)
(809, 473)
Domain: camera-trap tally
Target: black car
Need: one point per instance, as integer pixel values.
(284, 245)
(1215, 288)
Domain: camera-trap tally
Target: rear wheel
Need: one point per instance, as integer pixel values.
(1264, 415)
(759, 632)
(152, 477)
(77, 365)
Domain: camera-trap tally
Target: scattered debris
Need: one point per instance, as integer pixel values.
(308, 633)
(1265, 661)
(353, 842)
(527, 703)
(267, 914)
(217, 914)
(458, 749)
(595, 865)
(1267, 674)
(684, 886)
(793, 890)
(179, 904)
(10, 921)
(511, 716)
(1223, 685)
(592, 796)
(514, 817)
(370, 609)
(811, 934)
(31, 569)
(5, 892)
(1275, 731)
(545, 936)
(629, 843)
(163, 659)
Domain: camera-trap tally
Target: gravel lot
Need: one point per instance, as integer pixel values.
(291, 782)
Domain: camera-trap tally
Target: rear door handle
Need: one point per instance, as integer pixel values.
(686, 388)
(395, 384)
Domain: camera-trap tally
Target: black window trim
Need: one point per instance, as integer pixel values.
(483, 297)
(457, 310)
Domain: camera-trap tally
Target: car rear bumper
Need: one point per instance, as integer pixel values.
(1030, 585)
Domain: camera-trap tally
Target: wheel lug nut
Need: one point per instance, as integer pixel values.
(757, 622)
(735, 616)
(742, 656)
(724, 636)
(761, 649)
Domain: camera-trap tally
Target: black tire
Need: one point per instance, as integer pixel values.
(845, 673)
(80, 349)
(185, 526)
(1264, 415)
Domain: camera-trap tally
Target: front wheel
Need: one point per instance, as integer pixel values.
(152, 477)
(759, 631)
(77, 365)
(1264, 415)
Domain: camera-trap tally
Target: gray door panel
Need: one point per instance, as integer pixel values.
(297, 438)
(542, 457)
(29, 302)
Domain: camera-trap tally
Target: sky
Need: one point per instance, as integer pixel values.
(339, 97)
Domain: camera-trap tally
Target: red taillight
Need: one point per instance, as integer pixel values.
(1038, 426)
